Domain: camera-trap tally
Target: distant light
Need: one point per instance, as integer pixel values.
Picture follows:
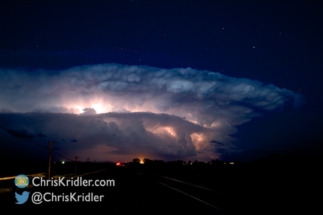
(118, 163)
(63, 162)
(231, 163)
(141, 162)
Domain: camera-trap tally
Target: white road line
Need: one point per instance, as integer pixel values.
(193, 197)
(194, 185)
(29, 175)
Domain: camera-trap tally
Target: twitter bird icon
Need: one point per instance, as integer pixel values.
(21, 199)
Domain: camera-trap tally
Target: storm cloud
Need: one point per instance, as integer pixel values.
(180, 112)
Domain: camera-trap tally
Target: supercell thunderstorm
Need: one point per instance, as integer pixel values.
(180, 112)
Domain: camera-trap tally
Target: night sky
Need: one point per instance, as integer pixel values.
(198, 80)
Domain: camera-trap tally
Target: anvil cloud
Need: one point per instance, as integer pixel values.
(138, 110)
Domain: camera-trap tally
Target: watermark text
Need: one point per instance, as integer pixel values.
(77, 182)
(38, 198)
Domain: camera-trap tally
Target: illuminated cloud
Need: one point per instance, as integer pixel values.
(140, 109)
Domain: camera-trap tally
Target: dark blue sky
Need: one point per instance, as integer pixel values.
(273, 42)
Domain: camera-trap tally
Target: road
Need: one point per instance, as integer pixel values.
(146, 193)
